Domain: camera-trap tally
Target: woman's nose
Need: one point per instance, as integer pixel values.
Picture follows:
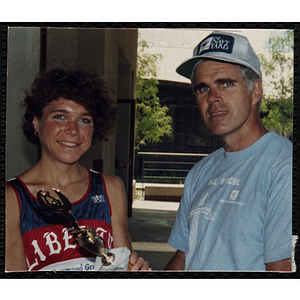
(72, 128)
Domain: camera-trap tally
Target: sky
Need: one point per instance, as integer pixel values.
(176, 45)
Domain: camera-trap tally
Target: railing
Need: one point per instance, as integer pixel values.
(164, 167)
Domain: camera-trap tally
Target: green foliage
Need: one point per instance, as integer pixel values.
(277, 104)
(152, 120)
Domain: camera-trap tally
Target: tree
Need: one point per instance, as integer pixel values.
(152, 120)
(277, 104)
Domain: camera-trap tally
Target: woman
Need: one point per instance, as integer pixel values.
(65, 112)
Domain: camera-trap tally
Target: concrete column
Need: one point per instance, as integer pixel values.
(23, 63)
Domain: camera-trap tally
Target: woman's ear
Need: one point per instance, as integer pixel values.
(36, 124)
(257, 91)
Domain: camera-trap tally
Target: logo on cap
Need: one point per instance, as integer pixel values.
(215, 43)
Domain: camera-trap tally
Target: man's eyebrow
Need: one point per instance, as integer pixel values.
(200, 85)
(223, 80)
(220, 80)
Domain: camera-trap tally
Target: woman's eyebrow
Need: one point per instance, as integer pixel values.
(58, 111)
(87, 114)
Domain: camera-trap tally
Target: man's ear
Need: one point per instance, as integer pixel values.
(257, 91)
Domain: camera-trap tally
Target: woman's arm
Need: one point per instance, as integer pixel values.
(118, 202)
(15, 259)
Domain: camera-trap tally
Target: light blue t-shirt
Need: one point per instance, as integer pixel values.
(236, 209)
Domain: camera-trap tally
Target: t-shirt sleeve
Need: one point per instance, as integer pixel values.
(180, 232)
(278, 221)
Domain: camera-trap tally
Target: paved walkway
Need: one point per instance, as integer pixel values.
(150, 227)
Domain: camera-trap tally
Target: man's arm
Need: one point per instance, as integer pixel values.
(281, 265)
(176, 263)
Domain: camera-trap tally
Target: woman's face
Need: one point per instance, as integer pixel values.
(65, 131)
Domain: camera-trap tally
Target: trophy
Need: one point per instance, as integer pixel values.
(86, 236)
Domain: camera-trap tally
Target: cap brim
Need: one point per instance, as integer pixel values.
(187, 67)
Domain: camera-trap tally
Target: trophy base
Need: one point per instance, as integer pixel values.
(120, 262)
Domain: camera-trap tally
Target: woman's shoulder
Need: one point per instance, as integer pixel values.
(11, 200)
(112, 180)
(9, 190)
(114, 185)
(27, 176)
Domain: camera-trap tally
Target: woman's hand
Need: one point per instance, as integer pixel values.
(137, 263)
(118, 202)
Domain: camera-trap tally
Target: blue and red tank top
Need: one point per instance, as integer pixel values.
(47, 239)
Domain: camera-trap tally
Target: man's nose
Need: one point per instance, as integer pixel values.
(214, 95)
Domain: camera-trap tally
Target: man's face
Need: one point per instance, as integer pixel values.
(224, 99)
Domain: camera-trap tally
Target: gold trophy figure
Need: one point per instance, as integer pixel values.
(87, 236)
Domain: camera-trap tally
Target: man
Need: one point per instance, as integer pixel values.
(236, 209)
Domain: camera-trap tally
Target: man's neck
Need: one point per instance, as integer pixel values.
(238, 142)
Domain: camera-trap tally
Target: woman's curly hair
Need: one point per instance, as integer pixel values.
(86, 89)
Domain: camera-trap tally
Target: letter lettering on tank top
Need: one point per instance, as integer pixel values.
(50, 242)
(66, 238)
(30, 267)
(37, 250)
